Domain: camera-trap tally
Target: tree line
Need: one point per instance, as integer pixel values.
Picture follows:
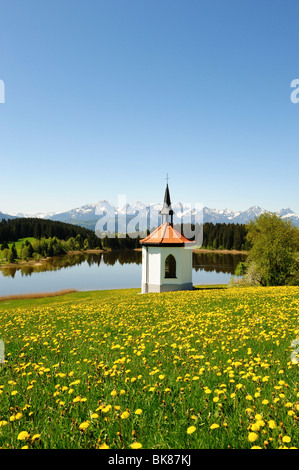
(14, 229)
(53, 238)
(218, 236)
(223, 236)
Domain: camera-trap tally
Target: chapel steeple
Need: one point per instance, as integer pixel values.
(166, 210)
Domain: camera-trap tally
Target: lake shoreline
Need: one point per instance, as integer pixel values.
(40, 262)
(224, 252)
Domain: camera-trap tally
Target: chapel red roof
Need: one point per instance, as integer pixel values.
(165, 235)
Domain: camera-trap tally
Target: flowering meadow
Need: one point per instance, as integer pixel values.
(209, 368)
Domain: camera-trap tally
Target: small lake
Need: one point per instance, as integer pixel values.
(113, 270)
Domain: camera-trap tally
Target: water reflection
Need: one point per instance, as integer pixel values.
(218, 262)
(208, 262)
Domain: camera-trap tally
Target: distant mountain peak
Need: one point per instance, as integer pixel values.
(287, 211)
(89, 214)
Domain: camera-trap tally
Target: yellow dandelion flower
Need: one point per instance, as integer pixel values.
(138, 411)
(104, 446)
(214, 426)
(255, 426)
(252, 436)
(125, 415)
(84, 425)
(271, 424)
(23, 435)
(191, 429)
(136, 445)
(106, 409)
(260, 422)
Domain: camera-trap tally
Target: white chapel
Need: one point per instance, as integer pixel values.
(166, 256)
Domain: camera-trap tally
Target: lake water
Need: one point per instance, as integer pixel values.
(114, 270)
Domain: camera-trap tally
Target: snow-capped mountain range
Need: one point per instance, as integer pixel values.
(90, 214)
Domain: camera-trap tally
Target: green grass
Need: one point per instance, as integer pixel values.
(213, 361)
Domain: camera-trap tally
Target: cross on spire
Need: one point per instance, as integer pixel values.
(167, 178)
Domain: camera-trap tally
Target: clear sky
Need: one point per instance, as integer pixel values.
(105, 97)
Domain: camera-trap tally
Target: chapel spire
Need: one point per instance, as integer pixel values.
(166, 210)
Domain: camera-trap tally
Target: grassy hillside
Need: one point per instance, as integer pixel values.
(209, 368)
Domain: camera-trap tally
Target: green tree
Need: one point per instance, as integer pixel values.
(71, 244)
(14, 252)
(6, 253)
(79, 242)
(241, 269)
(4, 245)
(10, 256)
(274, 243)
(86, 244)
(25, 253)
(30, 248)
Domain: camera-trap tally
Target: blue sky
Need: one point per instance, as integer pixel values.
(105, 97)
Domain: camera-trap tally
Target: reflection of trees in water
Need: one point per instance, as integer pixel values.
(52, 264)
(219, 262)
(8, 272)
(122, 257)
(60, 262)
